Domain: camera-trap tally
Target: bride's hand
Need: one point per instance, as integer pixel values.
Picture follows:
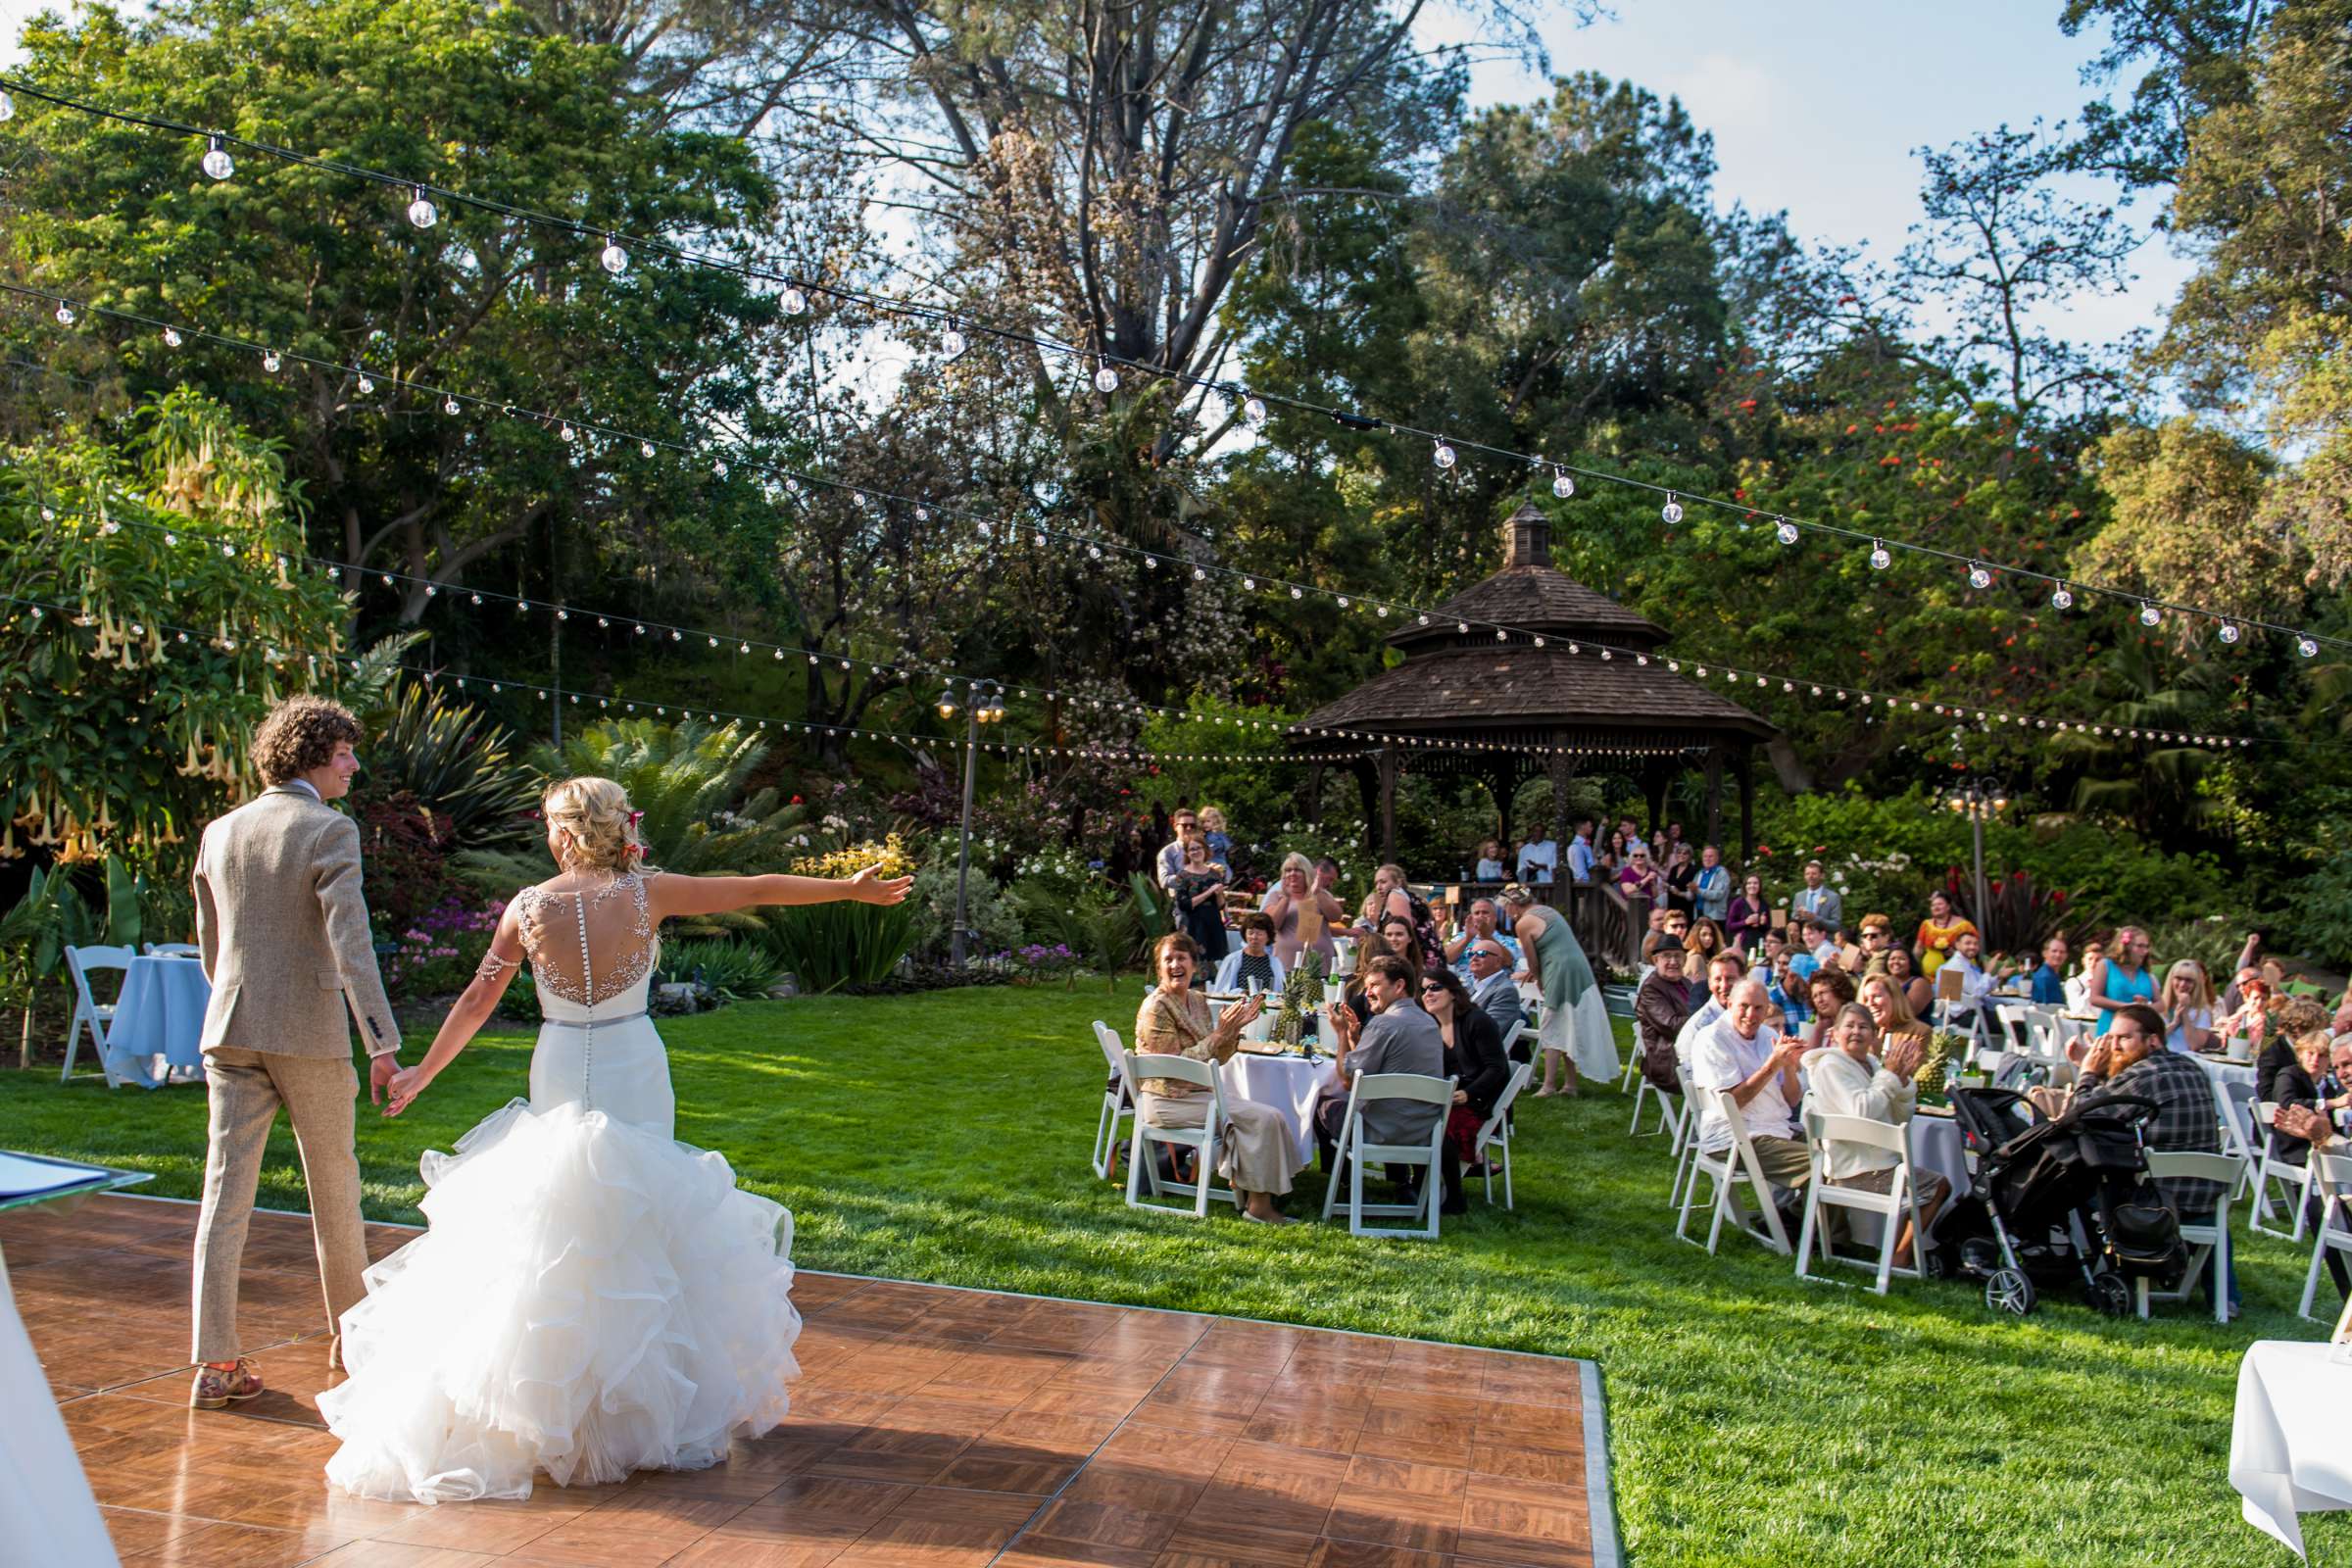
(406, 1084)
(870, 886)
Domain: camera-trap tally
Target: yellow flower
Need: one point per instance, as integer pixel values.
(890, 855)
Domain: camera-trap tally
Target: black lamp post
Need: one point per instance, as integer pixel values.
(1977, 796)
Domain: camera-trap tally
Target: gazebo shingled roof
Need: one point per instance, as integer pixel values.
(1537, 710)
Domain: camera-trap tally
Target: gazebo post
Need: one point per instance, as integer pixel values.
(1391, 765)
(1563, 769)
(1502, 782)
(1653, 783)
(1367, 786)
(1715, 798)
(1741, 763)
(1314, 795)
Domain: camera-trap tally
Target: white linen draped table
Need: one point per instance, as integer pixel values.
(2287, 1449)
(1288, 1084)
(2222, 1071)
(159, 1018)
(1937, 1146)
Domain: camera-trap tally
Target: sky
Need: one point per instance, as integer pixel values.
(1815, 105)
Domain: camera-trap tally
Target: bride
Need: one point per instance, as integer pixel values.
(593, 1296)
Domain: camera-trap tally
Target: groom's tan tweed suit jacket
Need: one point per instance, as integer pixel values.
(287, 944)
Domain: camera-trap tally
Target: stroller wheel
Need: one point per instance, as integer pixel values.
(2009, 1290)
(2108, 1293)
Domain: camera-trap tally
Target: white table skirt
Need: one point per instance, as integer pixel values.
(1937, 1146)
(159, 1018)
(1288, 1084)
(47, 1516)
(2287, 1449)
(2224, 1072)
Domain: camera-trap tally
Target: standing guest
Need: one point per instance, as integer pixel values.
(2187, 1006)
(1175, 1020)
(1829, 993)
(1220, 842)
(1724, 971)
(1682, 870)
(1889, 1009)
(1489, 863)
(1848, 1079)
(1620, 849)
(1303, 914)
(1711, 886)
(1640, 880)
(1580, 852)
(1750, 916)
(1758, 1074)
(1484, 923)
(1817, 898)
(1392, 899)
(1576, 1035)
(2049, 981)
(2122, 979)
(1674, 833)
(1938, 931)
(1474, 1061)
(1253, 965)
(1199, 895)
(1917, 995)
(1677, 925)
(1399, 938)
(1392, 1035)
(1632, 834)
(1170, 860)
(1495, 994)
(1539, 858)
(1661, 1006)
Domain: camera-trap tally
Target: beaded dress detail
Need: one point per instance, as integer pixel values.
(593, 1297)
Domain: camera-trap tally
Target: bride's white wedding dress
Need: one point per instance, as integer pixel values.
(593, 1296)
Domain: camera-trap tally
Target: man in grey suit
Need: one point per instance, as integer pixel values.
(1497, 994)
(285, 941)
(1398, 1036)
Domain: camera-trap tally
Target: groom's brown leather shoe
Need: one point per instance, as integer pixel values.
(218, 1386)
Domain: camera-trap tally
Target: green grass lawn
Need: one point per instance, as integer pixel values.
(1752, 1419)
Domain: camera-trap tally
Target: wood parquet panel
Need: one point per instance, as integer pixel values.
(932, 1428)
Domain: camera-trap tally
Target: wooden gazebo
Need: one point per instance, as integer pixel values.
(1574, 681)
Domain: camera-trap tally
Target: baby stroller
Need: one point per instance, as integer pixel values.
(2059, 1197)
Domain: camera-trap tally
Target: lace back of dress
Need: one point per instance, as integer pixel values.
(591, 945)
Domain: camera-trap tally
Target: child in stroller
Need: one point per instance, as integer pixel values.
(2058, 1196)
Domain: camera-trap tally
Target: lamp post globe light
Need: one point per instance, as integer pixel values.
(1977, 796)
(986, 705)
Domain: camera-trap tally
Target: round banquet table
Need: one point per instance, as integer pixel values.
(159, 1018)
(1935, 1146)
(2287, 1451)
(1289, 1085)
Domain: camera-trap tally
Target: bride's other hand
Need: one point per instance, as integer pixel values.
(870, 886)
(406, 1084)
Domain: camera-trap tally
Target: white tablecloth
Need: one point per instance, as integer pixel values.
(158, 1017)
(47, 1514)
(2224, 1072)
(1289, 1085)
(1935, 1146)
(2287, 1449)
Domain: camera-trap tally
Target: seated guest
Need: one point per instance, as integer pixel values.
(2130, 1061)
(1474, 1061)
(1396, 1036)
(2078, 986)
(1848, 1079)
(1484, 923)
(1919, 994)
(1789, 993)
(1776, 947)
(1976, 984)
(1737, 1057)
(1661, 1006)
(1876, 936)
(1705, 940)
(2187, 1002)
(1676, 923)
(1489, 863)
(2248, 1016)
(1174, 1020)
(1253, 967)
(1494, 993)
(1818, 900)
(1889, 1009)
(2306, 1125)
(2301, 1084)
(1400, 938)
(2049, 981)
(2289, 1022)
(1818, 938)
(1829, 993)
(1724, 971)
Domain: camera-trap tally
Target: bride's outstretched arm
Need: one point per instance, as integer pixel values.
(671, 894)
(466, 1018)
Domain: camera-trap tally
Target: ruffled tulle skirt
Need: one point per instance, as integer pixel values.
(590, 1298)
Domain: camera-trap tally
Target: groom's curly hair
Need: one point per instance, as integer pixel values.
(301, 733)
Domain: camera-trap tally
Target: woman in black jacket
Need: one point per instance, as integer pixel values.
(2298, 1084)
(1474, 1057)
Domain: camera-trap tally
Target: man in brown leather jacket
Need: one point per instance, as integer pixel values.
(1659, 1008)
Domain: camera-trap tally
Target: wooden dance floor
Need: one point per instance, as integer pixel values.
(932, 1428)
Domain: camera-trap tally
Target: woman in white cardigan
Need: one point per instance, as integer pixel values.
(1844, 1078)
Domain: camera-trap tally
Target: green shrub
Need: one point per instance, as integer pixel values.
(1103, 926)
(827, 945)
(739, 970)
(988, 914)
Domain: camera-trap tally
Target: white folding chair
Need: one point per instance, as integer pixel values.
(1354, 1154)
(2294, 1180)
(1686, 1138)
(172, 950)
(88, 1012)
(2335, 1230)
(1206, 1140)
(2209, 1241)
(1495, 1138)
(1118, 1100)
(1729, 1171)
(1511, 1040)
(1644, 1088)
(1900, 1199)
(2239, 1136)
(1633, 1074)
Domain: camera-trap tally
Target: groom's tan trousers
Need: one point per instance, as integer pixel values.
(246, 1088)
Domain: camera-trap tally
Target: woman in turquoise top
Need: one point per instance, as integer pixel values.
(1575, 1031)
(2123, 977)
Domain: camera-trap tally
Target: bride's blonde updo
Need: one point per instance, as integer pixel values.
(596, 812)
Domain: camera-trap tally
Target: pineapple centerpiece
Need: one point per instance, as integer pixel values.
(1301, 989)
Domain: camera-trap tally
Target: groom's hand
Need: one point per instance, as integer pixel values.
(380, 1075)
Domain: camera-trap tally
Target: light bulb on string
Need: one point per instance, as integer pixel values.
(448, 405)
(2307, 647)
(569, 433)
(1106, 379)
(951, 342)
(366, 385)
(2229, 632)
(793, 301)
(1978, 576)
(7, 108)
(1671, 510)
(2062, 598)
(1253, 412)
(216, 162)
(1562, 484)
(2149, 616)
(1787, 533)
(1880, 557)
(270, 361)
(615, 260)
(422, 212)
(64, 314)
(171, 338)
(1441, 453)
(645, 448)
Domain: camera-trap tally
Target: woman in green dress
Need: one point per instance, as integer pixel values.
(1575, 1033)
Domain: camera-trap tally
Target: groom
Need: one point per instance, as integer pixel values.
(287, 946)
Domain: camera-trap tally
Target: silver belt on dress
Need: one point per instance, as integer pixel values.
(596, 1023)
